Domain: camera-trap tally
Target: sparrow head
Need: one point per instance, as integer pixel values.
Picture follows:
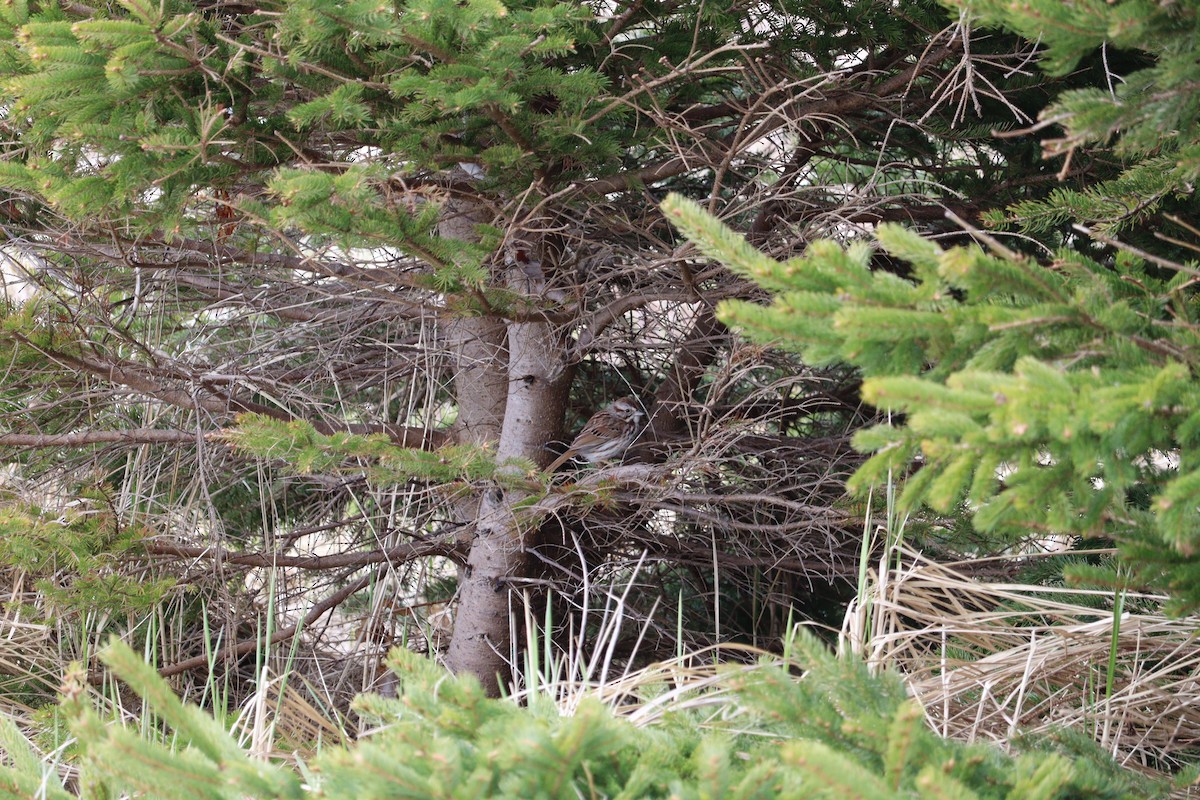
(627, 408)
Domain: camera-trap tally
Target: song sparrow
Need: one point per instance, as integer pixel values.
(606, 434)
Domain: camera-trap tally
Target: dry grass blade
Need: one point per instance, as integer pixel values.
(990, 659)
(281, 721)
(702, 679)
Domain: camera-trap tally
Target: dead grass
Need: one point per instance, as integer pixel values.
(989, 660)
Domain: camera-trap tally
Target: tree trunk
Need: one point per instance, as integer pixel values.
(537, 378)
(479, 346)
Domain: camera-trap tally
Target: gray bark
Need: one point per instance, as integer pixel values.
(479, 345)
(511, 388)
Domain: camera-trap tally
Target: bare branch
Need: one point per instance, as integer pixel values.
(445, 547)
(85, 438)
(233, 650)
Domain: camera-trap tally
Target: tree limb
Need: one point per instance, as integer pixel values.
(138, 380)
(85, 438)
(250, 645)
(446, 547)
(691, 360)
(837, 106)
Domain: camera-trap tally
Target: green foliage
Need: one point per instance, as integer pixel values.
(278, 139)
(839, 731)
(205, 760)
(27, 777)
(79, 558)
(115, 127)
(1050, 398)
(299, 444)
(1148, 113)
(27, 332)
(140, 115)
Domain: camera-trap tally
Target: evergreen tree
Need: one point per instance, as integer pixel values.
(413, 244)
(1053, 394)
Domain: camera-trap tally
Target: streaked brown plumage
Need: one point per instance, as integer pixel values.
(606, 435)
